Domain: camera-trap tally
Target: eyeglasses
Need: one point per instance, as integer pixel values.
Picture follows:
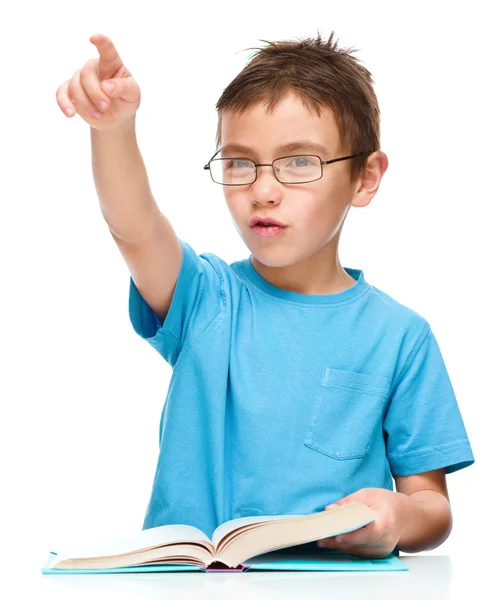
(300, 168)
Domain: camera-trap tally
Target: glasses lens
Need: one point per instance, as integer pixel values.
(290, 169)
(232, 171)
(298, 169)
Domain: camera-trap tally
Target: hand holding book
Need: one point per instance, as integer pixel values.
(378, 538)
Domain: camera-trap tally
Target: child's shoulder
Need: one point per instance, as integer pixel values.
(398, 312)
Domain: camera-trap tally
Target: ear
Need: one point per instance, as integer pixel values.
(369, 180)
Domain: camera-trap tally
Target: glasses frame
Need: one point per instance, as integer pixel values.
(322, 162)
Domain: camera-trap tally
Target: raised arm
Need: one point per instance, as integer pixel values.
(144, 236)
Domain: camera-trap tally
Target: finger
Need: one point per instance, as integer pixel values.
(92, 86)
(109, 59)
(344, 548)
(64, 101)
(334, 543)
(122, 87)
(341, 502)
(339, 542)
(330, 544)
(80, 98)
(360, 537)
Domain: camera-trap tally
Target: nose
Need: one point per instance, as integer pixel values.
(266, 182)
(266, 187)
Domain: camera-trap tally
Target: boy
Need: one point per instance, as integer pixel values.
(296, 383)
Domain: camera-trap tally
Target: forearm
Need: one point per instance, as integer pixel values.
(427, 521)
(121, 181)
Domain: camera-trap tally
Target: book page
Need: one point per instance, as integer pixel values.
(258, 538)
(234, 524)
(146, 538)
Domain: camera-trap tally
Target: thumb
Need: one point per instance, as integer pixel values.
(342, 501)
(122, 87)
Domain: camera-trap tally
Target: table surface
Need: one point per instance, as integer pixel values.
(430, 577)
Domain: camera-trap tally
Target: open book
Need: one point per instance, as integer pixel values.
(231, 545)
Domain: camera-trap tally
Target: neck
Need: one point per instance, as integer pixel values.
(318, 274)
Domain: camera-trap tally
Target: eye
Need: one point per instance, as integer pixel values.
(303, 161)
(237, 163)
(242, 162)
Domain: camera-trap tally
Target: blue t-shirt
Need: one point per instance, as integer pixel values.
(282, 403)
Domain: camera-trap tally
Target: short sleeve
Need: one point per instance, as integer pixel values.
(197, 301)
(423, 425)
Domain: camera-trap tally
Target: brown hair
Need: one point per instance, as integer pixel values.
(321, 75)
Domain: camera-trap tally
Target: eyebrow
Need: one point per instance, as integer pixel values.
(297, 145)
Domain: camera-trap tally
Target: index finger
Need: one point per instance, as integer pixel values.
(109, 59)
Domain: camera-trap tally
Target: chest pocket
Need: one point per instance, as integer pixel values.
(346, 413)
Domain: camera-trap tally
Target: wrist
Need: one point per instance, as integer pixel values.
(121, 128)
(404, 509)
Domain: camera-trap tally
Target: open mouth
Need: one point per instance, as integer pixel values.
(264, 230)
(263, 224)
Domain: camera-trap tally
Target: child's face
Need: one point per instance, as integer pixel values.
(314, 212)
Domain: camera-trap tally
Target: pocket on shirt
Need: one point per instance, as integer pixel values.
(347, 410)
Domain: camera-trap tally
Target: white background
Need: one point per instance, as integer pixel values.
(81, 393)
